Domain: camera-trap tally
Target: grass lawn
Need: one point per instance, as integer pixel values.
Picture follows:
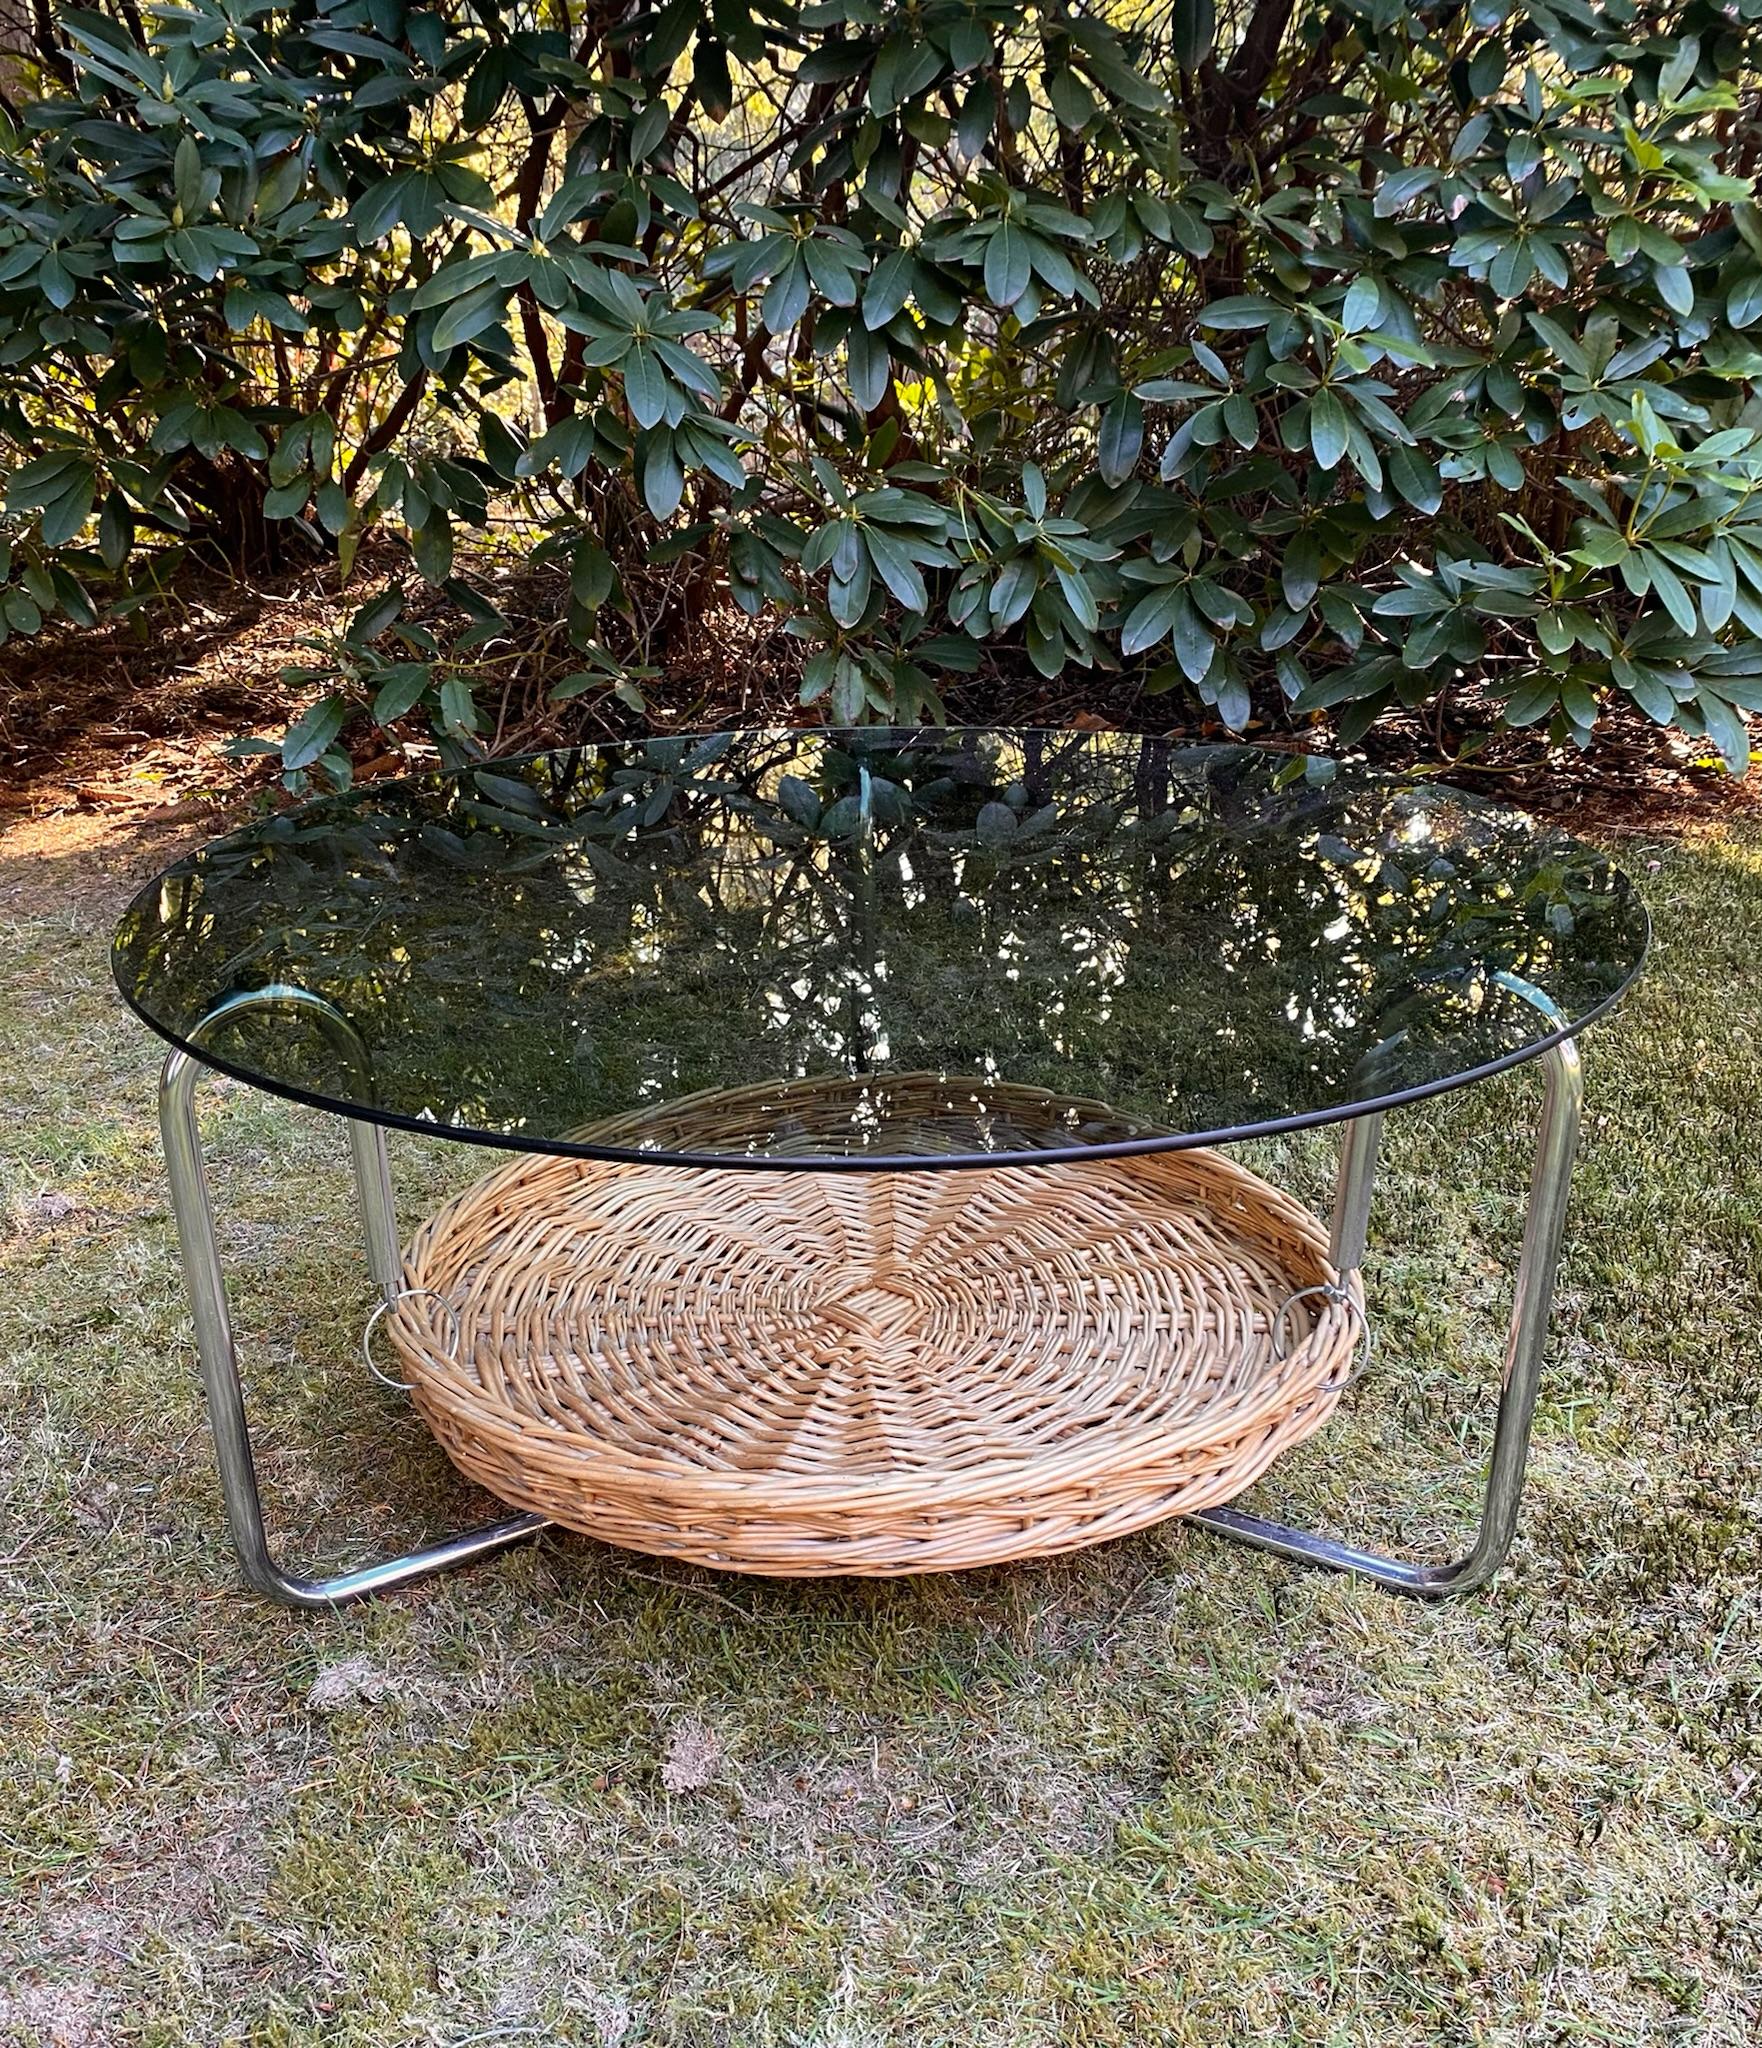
(1166, 1791)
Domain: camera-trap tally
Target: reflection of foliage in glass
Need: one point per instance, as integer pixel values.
(1189, 935)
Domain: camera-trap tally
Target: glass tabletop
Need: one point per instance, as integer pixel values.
(880, 948)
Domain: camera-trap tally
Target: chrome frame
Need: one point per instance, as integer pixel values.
(1550, 1181)
(1556, 1142)
(218, 1354)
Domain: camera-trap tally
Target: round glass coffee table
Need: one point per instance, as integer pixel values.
(864, 1092)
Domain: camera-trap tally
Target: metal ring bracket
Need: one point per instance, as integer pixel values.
(1333, 1293)
(404, 1294)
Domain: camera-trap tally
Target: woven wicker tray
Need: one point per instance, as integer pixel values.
(807, 1373)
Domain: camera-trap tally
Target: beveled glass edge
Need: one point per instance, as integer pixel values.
(906, 1162)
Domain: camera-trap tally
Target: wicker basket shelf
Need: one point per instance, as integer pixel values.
(808, 1373)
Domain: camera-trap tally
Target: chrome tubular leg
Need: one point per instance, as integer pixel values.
(219, 1360)
(1556, 1142)
(1360, 1142)
(379, 1219)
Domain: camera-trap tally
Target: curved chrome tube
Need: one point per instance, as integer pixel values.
(373, 1177)
(215, 1347)
(1544, 1226)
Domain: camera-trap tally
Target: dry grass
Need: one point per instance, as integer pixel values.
(1168, 1791)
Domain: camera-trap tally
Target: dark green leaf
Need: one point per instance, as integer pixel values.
(1363, 303)
(1238, 312)
(1743, 303)
(375, 616)
(663, 476)
(66, 515)
(116, 531)
(43, 481)
(1120, 438)
(1150, 619)
(400, 690)
(1195, 649)
(1415, 477)
(468, 317)
(786, 298)
(1300, 571)
(1511, 269)
(889, 286)
(1727, 730)
(312, 732)
(432, 547)
(645, 385)
(1195, 30)
(1008, 265)
(1327, 429)
(458, 711)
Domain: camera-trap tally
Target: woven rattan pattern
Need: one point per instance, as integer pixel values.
(808, 1373)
